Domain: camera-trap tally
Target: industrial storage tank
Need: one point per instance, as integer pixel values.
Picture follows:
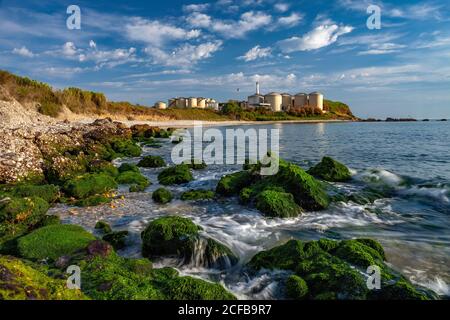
(316, 100)
(300, 100)
(181, 103)
(160, 105)
(255, 100)
(286, 101)
(192, 102)
(201, 103)
(275, 101)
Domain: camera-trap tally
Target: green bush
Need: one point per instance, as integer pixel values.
(53, 242)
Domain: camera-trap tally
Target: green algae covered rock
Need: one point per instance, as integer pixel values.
(116, 278)
(162, 196)
(102, 166)
(103, 226)
(233, 183)
(152, 162)
(171, 235)
(193, 195)
(48, 192)
(179, 237)
(128, 167)
(124, 148)
(89, 185)
(330, 170)
(296, 288)
(178, 174)
(53, 242)
(196, 164)
(20, 281)
(277, 204)
(116, 239)
(136, 180)
(335, 270)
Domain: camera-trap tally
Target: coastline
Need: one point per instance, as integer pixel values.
(191, 123)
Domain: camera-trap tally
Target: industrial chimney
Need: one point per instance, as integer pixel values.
(257, 87)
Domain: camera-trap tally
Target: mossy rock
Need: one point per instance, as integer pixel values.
(117, 278)
(101, 166)
(335, 269)
(116, 239)
(309, 193)
(178, 174)
(20, 281)
(296, 288)
(194, 195)
(128, 167)
(88, 185)
(125, 148)
(218, 255)
(93, 201)
(401, 290)
(137, 181)
(162, 196)
(196, 164)
(245, 195)
(103, 226)
(232, 184)
(48, 192)
(53, 242)
(277, 204)
(152, 162)
(171, 235)
(330, 170)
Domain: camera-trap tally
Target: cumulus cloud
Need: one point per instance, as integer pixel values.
(281, 7)
(199, 20)
(157, 33)
(69, 49)
(196, 7)
(256, 53)
(24, 52)
(321, 36)
(290, 21)
(185, 55)
(249, 21)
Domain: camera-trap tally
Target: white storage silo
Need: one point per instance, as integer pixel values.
(192, 102)
(181, 103)
(287, 101)
(275, 101)
(316, 100)
(160, 105)
(201, 103)
(300, 100)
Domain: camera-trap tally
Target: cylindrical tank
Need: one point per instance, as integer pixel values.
(181, 103)
(255, 100)
(160, 105)
(172, 103)
(201, 103)
(300, 100)
(316, 100)
(275, 100)
(287, 101)
(192, 102)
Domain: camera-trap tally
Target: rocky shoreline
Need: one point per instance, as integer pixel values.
(41, 165)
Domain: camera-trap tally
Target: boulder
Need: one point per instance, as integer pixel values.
(162, 196)
(152, 162)
(330, 170)
(199, 194)
(277, 204)
(178, 174)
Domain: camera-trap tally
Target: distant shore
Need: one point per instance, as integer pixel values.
(191, 123)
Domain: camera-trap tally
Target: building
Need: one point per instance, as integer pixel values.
(316, 100)
(160, 105)
(193, 102)
(274, 100)
(300, 100)
(287, 102)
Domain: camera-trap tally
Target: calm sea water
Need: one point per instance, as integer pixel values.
(413, 223)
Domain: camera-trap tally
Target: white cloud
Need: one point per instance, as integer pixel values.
(157, 33)
(382, 48)
(196, 7)
(256, 53)
(24, 52)
(290, 21)
(69, 49)
(249, 21)
(199, 20)
(92, 44)
(281, 7)
(321, 36)
(186, 55)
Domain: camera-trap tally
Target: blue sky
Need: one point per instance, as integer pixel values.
(148, 51)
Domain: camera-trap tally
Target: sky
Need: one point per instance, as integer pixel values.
(146, 51)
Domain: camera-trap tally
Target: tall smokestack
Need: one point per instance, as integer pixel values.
(257, 87)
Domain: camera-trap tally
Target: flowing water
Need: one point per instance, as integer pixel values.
(413, 223)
